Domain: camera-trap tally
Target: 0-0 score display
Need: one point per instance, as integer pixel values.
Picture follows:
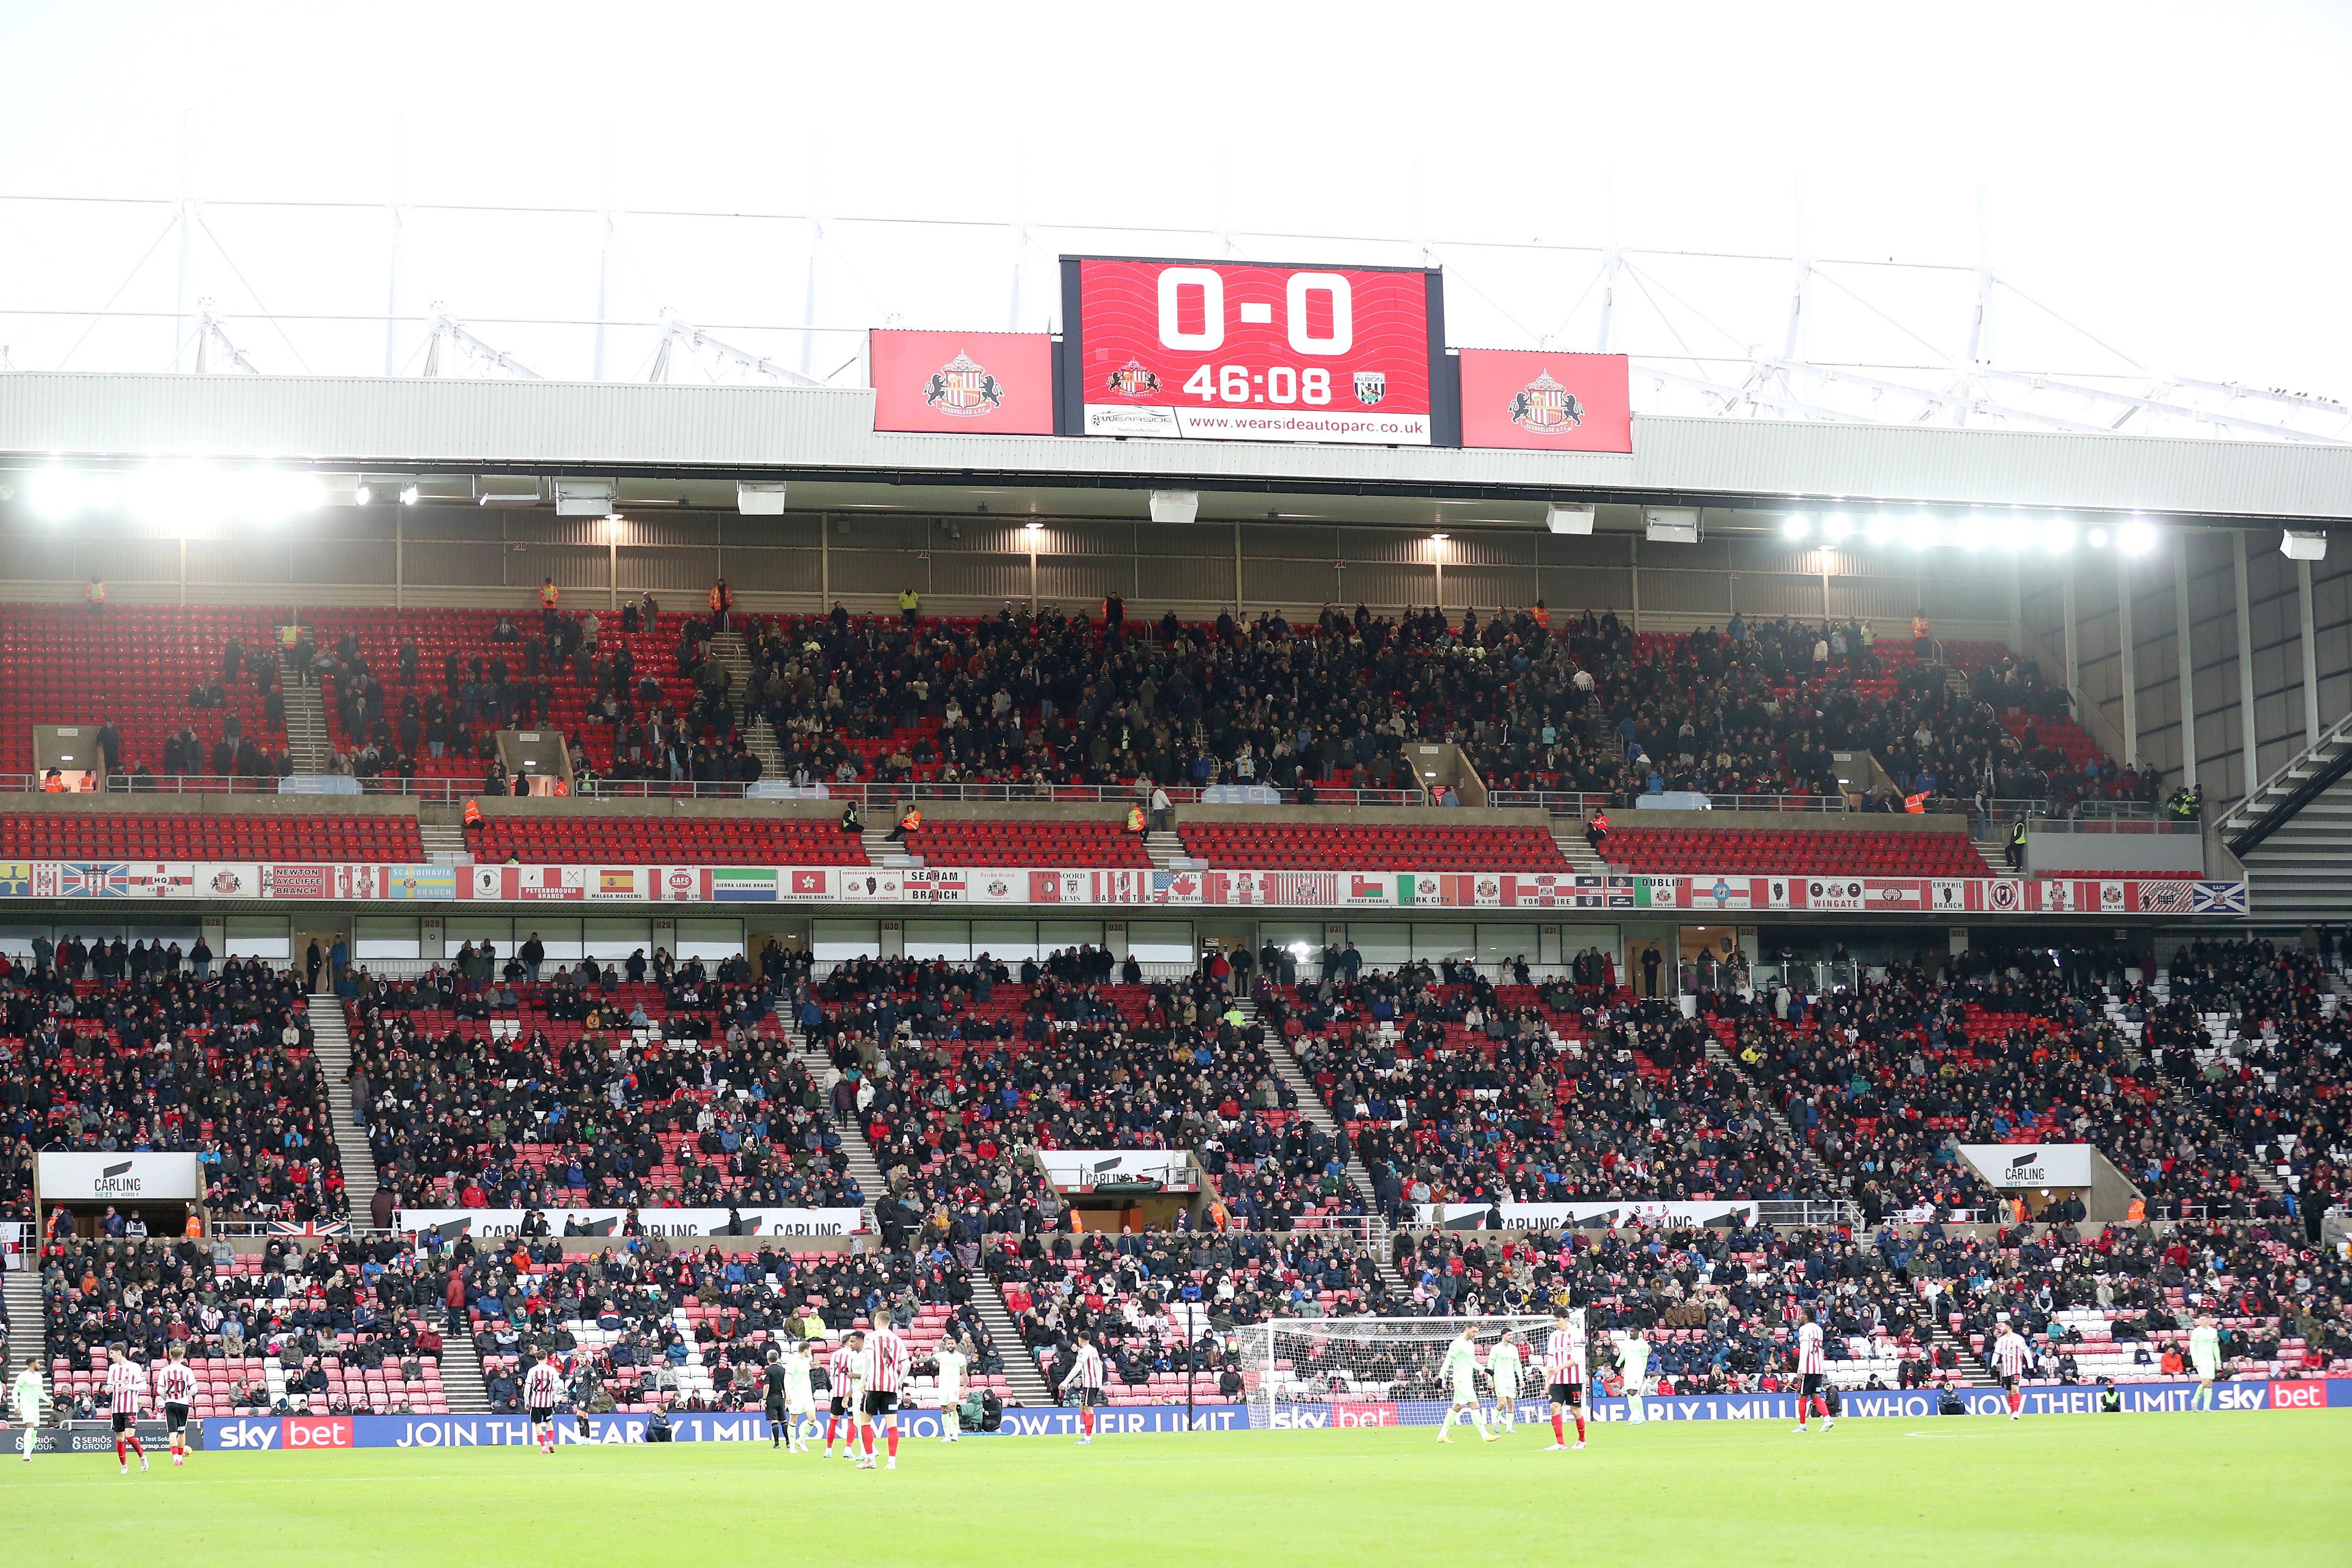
(1246, 352)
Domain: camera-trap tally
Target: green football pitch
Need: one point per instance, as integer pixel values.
(2255, 1486)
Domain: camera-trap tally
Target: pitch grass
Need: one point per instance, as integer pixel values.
(2203, 1489)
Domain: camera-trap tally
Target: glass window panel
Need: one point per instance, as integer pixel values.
(1006, 941)
(1161, 941)
(832, 941)
(709, 938)
(948, 939)
(1383, 946)
(1499, 944)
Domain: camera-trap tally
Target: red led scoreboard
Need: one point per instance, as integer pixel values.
(1232, 352)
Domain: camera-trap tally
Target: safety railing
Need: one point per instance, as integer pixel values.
(1565, 803)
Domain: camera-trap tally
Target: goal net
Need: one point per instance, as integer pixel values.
(1383, 1371)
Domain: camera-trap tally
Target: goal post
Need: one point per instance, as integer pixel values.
(1391, 1365)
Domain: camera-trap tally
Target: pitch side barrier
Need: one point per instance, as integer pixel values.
(271, 1434)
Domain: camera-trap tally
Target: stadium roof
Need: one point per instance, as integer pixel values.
(822, 437)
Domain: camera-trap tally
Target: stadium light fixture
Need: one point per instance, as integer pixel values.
(55, 492)
(1568, 519)
(1671, 525)
(362, 496)
(2137, 538)
(2304, 544)
(584, 497)
(2096, 538)
(1175, 506)
(1797, 528)
(408, 495)
(759, 499)
(1439, 538)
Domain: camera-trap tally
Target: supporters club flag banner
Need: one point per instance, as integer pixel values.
(1337, 888)
(963, 384)
(1546, 402)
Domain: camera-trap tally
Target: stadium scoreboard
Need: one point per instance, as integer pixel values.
(1245, 351)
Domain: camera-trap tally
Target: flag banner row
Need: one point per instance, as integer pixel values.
(589, 882)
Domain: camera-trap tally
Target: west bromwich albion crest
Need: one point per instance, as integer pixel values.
(962, 388)
(1545, 405)
(1131, 379)
(1372, 386)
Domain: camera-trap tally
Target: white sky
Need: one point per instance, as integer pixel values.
(2170, 176)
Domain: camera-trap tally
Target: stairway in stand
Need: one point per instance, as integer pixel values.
(1020, 1374)
(461, 1364)
(306, 718)
(728, 650)
(1163, 849)
(1772, 1112)
(1319, 1114)
(333, 1043)
(444, 842)
(2221, 1029)
(25, 1330)
(1571, 840)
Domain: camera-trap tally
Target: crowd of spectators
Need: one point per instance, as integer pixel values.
(107, 1049)
(347, 1326)
(2119, 1301)
(587, 1089)
(643, 1326)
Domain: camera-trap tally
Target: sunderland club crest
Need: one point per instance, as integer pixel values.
(963, 389)
(1545, 406)
(1372, 386)
(1131, 379)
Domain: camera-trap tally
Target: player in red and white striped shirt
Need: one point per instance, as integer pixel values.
(1811, 1368)
(126, 1383)
(883, 1360)
(543, 1385)
(842, 1366)
(2012, 1356)
(1563, 1364)
(175, 1391)
(1086, 1380)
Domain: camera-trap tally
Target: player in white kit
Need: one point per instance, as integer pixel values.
(126, 1384)
(1460, 1368)
(1503, 1365)
(28, 1402)
(1634, 1356)
(952, 1364)
(799, 1394)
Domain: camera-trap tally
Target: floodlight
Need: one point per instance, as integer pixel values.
(1175, 506)
(2300, 544)
(760, 499)
(1568, 519)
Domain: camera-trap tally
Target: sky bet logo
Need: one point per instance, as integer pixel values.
(244, 1434)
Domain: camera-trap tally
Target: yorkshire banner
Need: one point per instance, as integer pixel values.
(1596, 1216)
(1713, 893)
(753, 1219)
(2029, 1165)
